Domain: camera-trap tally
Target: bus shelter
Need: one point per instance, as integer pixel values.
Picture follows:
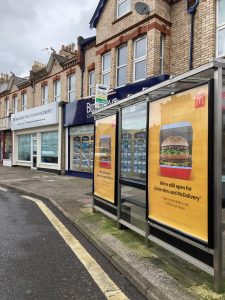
(159, 165)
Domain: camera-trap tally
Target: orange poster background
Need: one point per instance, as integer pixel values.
(178, 203)
(104, 163)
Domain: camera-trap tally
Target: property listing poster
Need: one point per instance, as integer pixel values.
(104, 161)
(178, 162)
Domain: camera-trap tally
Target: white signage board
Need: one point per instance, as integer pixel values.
(5, 123)
(101, 96)
(35, 117)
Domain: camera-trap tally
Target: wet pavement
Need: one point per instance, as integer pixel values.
(36, 263)
(156, 272)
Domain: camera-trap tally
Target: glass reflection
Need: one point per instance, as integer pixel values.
(133, 148)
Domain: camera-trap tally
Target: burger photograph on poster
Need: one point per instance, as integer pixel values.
(105, 151)
(176, 150)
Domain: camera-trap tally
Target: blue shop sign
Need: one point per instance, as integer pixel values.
(80, 111)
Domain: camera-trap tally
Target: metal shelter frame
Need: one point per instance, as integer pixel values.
(214, 70)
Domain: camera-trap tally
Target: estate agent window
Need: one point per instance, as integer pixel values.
(6, 108)
(140, 52)
(123, 7)
(71, 81)
(133, 164)
(24, 147)
(221, 28)
(106, 64)
(44, 95)
(133, 150)
(15, 105)
(57, 91)
(24, 101)
(49, 147)
(122, 65)
(81, 148)
(91, 83)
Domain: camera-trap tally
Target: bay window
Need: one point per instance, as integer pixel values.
(162, 47)
(71, 81)
(7, 108)
(123, 7)
(91, 83)
(24, 101)
(44, 95)
(140, 53)
(106, 64)
(57, 91)
(15, 105)
(122, 65)
(221, 28)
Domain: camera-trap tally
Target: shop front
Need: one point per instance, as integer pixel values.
(159, 168)
(5, 142)
(37, 138)
(79, 125)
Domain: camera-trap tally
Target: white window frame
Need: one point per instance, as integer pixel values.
(162, 52)
(139, 59)
(218, 28)
(57, 98)
(91, 85)
(119, 2)
(15, 104)
(105, 72)
(119, 67)
(44, 99)
(24, 101)
(68, 86)
(7, 107)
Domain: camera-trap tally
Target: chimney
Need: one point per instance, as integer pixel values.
(67, 51)
(4, 78)
(37, 66)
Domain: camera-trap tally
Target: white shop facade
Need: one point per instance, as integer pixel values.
(37, 138)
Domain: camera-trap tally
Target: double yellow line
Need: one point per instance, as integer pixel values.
(107, 286)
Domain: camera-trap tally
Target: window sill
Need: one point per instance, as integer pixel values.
(122, 17)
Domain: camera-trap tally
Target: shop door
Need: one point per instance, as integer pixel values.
(34, 152)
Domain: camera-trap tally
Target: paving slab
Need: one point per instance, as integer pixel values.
(156, 272)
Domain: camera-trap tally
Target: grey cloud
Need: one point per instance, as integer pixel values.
(27, 26)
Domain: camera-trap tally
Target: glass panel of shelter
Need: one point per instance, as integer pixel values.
(223, 164)
(133, 165)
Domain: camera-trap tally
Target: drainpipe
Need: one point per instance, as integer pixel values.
(82, 83)
(191, 8)
(81, 62)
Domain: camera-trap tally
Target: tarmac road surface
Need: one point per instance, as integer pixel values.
(42, 256)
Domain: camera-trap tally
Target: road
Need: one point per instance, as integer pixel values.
(42, 256)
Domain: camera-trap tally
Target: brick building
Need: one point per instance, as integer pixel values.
(131, 51)
(47, 88)
(156, 42)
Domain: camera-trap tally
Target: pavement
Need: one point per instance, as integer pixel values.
(154, 271)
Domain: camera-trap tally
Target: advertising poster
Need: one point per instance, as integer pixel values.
(178, 162)
(104, 161)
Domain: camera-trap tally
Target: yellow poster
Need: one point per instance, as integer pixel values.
(178, 162)
(104, 161)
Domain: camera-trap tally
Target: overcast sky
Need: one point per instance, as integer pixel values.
(28, 26)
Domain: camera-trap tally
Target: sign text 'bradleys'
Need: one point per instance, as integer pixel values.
(90, 107)
(36, 114)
